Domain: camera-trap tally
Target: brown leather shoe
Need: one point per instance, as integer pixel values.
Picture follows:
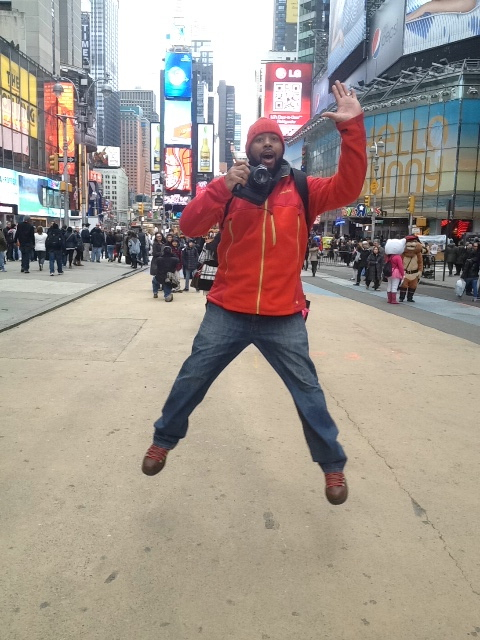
(336, 488)
(154, 460)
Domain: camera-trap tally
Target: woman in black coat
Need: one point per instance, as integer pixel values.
(166, 263)
(374, 268)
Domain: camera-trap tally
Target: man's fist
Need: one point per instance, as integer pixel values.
(238, 174)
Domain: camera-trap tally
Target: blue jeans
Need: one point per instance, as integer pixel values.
(472, 285)
(284, 343)
(188, 275)
(155, 285)
(110, 248)
(2, 260)
(167, 289)
(56, 256)
(96, 253)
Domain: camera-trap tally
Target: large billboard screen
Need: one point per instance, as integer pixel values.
(105, 157)
(429, 24)
(287, 94)
(19, 98)
(178, 122)
(155, 161)
(386, 40)
(347, 30)
(178, 169)
(320, 95)
(178, 75)
(205, 148)
(54, 126)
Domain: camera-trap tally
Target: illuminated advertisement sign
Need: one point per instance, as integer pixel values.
(19, 98)
(8, 186)
(386, 40)
(321, 96)
(63, 105)
(429, 24)
(287, 94)
(205, 148)
(85, 39)
(155, 160)
(178, 169)
(106, 157)
(178, 122)
(178, 75)
(347, 30)
(292, 12)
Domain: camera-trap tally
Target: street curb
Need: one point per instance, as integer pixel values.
(74, 297)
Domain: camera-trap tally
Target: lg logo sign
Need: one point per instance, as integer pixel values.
(281, 73)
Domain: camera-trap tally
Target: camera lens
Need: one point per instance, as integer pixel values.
(260, 175)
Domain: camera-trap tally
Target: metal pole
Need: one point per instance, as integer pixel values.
(65, 171)
(374, 210)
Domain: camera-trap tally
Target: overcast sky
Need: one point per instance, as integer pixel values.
(241, 34)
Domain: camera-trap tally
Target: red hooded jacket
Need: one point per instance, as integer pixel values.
(262, 248)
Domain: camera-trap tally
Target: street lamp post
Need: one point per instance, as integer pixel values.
(379, 144)
(82, 119)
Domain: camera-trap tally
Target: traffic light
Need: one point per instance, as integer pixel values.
(367, 201)
(411, 204)
(140, 208)
(53, 163)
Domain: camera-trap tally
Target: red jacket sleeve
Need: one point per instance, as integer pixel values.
(205, 210)
(326, 194)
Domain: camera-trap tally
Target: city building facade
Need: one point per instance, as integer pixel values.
(226, 122)
(104, 65)
(145, 99)
(284, 32)
(132, 154)
(115, 193)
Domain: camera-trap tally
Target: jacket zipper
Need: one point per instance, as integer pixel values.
(262, 263)
(274, 231)
(298, 238)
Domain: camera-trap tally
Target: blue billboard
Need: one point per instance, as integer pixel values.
(178, 75)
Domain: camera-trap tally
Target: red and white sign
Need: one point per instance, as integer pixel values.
(288, 88)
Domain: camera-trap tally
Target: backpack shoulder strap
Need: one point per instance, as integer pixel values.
(225, 214)
(300, 178)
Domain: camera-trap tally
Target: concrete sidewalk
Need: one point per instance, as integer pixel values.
(24, 296)
(234, 540)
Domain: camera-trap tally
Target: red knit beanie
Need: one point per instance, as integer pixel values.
(263, 125)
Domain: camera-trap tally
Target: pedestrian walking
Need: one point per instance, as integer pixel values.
(313, 256)
(79, 249)
(360, 261)
(86, 240)
(12, 249)
(3, 250)
(257, 297)
(167, 264)
(190, 262)
(40, 248)
(450, 256)
(134, 249)
(97, 239)
(54, 246)
(110, 242)
(374, 268)
(25, 238)
(70, 245)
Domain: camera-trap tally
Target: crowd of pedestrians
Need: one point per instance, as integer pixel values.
(69, 247)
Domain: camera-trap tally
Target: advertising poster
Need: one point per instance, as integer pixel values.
(155, 161)
(321, 97)
(106, 157)
(347, 30)
(287, 94)
(205, 148)
(178, 123)
(432, 24)
(8, 186)
(178, 75)
(178, 169)
(292, 12)
(64, 105)
(386, 40)
(19, 98)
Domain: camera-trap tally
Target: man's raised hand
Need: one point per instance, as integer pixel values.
(348, 105)
(238, 174)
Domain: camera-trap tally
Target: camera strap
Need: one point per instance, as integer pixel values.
(300, 179)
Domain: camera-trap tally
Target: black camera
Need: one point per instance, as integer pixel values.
(258, 185)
